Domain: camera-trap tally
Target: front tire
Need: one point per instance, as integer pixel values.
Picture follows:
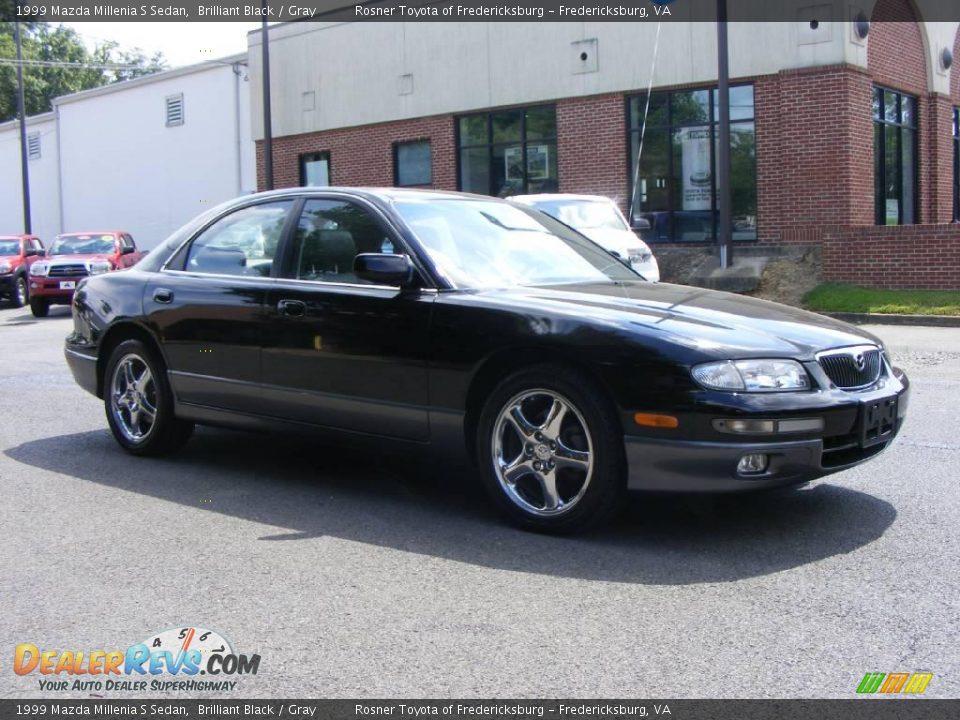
(20, 295)
(139, 403)
(39, 307)
(551, 452)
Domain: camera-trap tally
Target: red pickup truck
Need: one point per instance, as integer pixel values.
(17, 254)
(72, 257)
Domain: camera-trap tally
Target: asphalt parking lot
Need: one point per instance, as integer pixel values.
(358, 576)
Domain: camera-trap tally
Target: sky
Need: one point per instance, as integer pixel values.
(181, 43)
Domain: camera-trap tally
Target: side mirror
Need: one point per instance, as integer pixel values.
(29, 252)
(126, 250)
(641, 224)
(383, 269)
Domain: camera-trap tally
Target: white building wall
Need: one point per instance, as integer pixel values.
(355, 71)
(44, 195)
(123, 168)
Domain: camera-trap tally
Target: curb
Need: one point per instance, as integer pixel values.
(879, 319)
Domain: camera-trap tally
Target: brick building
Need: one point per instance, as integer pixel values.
(844, 133)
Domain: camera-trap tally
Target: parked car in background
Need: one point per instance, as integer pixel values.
(599, 219)
(17, 254)
(72, 257)
(481, 329)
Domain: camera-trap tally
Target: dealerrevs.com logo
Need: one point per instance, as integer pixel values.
(181, 653)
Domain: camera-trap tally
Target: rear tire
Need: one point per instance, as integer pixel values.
(39, 307)
(550, 449)
(20, 295)
(139, 403)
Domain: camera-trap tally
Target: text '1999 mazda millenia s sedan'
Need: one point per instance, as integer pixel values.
(482, 329)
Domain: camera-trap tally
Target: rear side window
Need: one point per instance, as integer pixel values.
(241, 243)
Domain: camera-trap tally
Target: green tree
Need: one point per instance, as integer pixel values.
(56, 45)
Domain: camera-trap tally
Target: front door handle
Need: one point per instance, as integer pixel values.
(292, 308)
(163, 295)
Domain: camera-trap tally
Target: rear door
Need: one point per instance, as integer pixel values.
(207, 306)
(340, 351)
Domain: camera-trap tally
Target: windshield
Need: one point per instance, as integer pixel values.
(83, 245)
(481, 244)
(9, 247)
(583, 214)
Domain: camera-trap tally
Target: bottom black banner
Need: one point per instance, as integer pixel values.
(875, 708)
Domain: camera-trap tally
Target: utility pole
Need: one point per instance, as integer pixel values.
(22, 112)
(724, 194)
(267, 121)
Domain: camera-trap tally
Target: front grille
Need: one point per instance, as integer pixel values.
(75, 270)
(852, 368)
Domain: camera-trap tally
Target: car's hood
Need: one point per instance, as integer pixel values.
(613, 239)
(710, 323)
(76, 259)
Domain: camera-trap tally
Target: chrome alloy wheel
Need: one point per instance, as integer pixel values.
(542, 452)
(133, 398)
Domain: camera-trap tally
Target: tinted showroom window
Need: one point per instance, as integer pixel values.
(509, 152)
(315, 169)
(895, 157)
(241, 243)
(675, 188)
(412, 163)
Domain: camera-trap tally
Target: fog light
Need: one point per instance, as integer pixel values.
(752, 464)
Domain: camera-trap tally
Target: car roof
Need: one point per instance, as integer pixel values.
(388, 194)
(93, 232)
(546, 197)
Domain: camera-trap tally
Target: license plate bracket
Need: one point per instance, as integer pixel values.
(878, 420)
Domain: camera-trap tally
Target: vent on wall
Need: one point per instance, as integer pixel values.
(174, 110)
(33, 146)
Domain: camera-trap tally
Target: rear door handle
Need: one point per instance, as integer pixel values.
(162, 295)
(292, 308)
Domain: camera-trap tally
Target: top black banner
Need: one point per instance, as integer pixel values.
(808, 11)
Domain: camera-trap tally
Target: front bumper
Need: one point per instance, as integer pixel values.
(696, 465)
(52, 290)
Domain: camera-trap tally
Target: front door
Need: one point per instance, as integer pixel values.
(338, 351)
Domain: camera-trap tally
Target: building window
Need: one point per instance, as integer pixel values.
(33, 146)
(895, 157)
(956, 164)
(675, 187)
(174, 110)
(509, 152)
(315, 169)
(412, 163)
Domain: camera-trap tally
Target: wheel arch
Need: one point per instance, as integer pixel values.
(507, 361)
(117, 333)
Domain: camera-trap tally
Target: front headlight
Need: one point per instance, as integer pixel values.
(5, 267)
(39, 269)
(752, 376)
(98, 267)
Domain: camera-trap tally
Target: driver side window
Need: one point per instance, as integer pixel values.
(330, 234)
(242, 243)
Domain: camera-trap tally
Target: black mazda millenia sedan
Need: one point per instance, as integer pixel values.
(475, 327)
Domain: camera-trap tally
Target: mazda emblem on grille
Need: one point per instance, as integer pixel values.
(852, 368)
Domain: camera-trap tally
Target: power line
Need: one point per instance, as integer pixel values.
(78, 65)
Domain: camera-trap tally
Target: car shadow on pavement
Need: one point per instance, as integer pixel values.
(417, 505)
